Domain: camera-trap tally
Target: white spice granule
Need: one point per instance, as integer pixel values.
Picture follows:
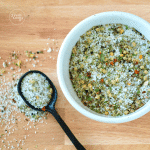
(49, 50)
(4, 64)
(19, 70)
(33, 65)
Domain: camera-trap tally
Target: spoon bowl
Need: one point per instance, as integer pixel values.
(52, 102)
(50, 108)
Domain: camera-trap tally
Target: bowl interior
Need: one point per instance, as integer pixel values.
(65, 53)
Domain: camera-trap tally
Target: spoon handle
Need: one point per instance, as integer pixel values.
(68, 132)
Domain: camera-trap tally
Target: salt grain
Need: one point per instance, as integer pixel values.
(4, 64)
(49, 50)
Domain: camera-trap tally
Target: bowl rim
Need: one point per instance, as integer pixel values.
(106, 119)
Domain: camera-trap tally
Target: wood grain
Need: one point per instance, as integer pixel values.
(47, 22)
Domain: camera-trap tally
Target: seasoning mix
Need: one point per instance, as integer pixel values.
(36, 89)
(109, 69)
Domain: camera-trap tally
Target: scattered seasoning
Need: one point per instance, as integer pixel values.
(111, 75)
(13, 105)
(14, 100)
(19, 63)
(4, 64)
(49, 50)
(39, 52)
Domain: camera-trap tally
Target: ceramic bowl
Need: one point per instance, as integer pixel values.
(64, 57)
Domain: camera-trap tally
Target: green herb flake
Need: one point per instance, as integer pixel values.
(102, 57)
(134, 55)
(120, 50)
(116, 106)
(127, 27)
(33, 116)
(89, 99)
(80, 76)
(110, 88)
(109, 74)
(48, 87)
(138, 92)
(96, 90)
(120, 58)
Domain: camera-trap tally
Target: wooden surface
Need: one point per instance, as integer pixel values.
(46, 24)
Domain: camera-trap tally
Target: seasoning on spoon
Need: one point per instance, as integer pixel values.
(36, 90)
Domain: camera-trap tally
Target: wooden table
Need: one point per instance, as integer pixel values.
(45, 24)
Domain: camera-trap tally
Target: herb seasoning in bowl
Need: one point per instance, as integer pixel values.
(105, 72)
(109, 69)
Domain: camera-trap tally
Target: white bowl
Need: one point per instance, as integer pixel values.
(65, 53)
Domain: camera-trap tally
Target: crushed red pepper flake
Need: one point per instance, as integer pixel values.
(112, 63)
(115, 60)
(13, 100)
(136, 72)
(102, 80)
(88, 74)
(44, 109)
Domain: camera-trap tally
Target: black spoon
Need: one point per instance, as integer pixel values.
(51, 108)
